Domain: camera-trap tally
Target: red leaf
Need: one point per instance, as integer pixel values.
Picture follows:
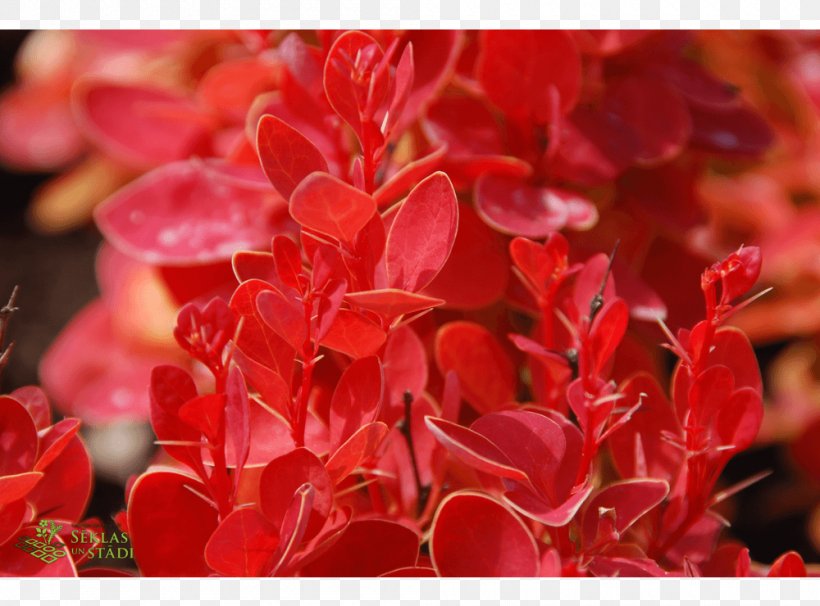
(641, 447)
(608, 42)
(391, 302)
(355, 450)
(477, 271)
(54, 440)
(141, 126)
(743, 271)
(14, 487)
(17, 563)
(283, 314)
(402, 88)
(231, 86)
(588, 284)
(356, 400)
(732, 349)
(242, 545)
(367, 548)
(65, 488)
(739, 419)
(516, 208)
(169, 525)
(35, 401)
(354, 335)
(91, 372)
(485, 372)
(206, 414)
(287, 260)
(695, 83)
(519, 71)
(352, 80)
(549, 357)
(422, 234)
(18, 438)
(280, 481)
(331, 206)
(332, 295)
(533, 443)
(237, 418)
(186, 283)
(408, 176)
(287, 156)
(465, 125)
(473, 535)
(411, 572)
(630, 500)
(790, 564)
(12, 513)
(733, 130)
(253, 265)
(709, 392)
(596, 146)
(605, 566)
(606, 333)
(435, 53)
(171, 388)
(405, 365)
(644, 303)
(294, 525)
(187, 213)
(474, 449)
(539, 509)
(39, 129)
(657, 115)
(256, 339)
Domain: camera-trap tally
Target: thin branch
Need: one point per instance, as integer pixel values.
(5, 316)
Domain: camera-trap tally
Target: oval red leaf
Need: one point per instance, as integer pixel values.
(477, 272)
(141, 126)
(519, 70)
(331, 206)
(186, 213)
(392, 302)
(422, 234)
(367, 548)
(169, 524)
(513, 207)
(287, 156)
(353, 334)
(242, 545)
(281, 479)
(356, 400)
(18, 438)
(485, 372)
(473, 535)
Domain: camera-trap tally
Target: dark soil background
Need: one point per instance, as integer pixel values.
(56, 278)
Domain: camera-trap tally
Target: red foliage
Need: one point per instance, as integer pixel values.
(45, 475)
(376, 376)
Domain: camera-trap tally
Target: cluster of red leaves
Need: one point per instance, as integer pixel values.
(45, 474)
(389, 205)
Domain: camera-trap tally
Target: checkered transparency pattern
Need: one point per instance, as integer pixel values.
(401, 592)
(206, 14)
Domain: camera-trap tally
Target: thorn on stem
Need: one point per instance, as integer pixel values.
(598, 300)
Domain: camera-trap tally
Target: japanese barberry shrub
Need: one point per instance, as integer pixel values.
(422, 285)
